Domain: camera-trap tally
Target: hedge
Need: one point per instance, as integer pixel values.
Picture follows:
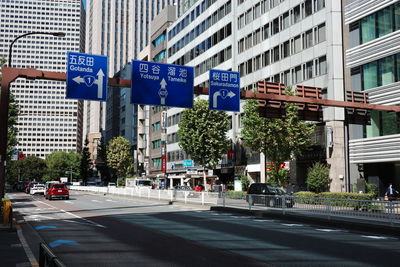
(336, 199)
(235, 194)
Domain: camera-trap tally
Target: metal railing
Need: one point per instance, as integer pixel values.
(368, 210)
(47, 258)
(385, 212)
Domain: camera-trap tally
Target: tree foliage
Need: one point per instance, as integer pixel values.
(101, 161)
(86, 163)
(202, 134)
(60, 163)
(28, 169)
(119, 156)
(318, 177)
(279, 139)
(13, 111)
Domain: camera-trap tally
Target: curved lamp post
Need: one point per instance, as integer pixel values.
(4, 102)
(56, 34)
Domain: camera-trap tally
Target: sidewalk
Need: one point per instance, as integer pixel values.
(12, 252)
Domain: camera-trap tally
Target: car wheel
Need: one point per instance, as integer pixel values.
(67, 198)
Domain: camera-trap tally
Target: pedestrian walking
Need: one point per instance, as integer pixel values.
(391, 193)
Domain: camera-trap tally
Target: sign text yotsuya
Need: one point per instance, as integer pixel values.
(86, 76)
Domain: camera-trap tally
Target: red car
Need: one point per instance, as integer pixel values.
(57, 190)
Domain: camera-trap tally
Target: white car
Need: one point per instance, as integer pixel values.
(37, 189)
(112, 185)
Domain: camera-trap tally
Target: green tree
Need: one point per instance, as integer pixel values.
(101, 161)
(28, 169)
(119, 156)
(279, 139)
(60, 164)
(202, 134)
(318, 177)
(86, 163)
(13, 111)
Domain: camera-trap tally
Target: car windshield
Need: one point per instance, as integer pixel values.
(58, 186)
(39, 186)
(276, 189)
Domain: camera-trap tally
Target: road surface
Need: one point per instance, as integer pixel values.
(104, 230)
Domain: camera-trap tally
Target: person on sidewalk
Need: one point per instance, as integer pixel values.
(391, 192)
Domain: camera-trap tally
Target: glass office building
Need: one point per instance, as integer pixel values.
(373, 66)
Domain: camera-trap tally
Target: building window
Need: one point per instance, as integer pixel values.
(321, 34)
(286, 49)
(322, 66)
(307, 8)
(308, 39)
(297, 74)
(296, 14)
(297, 44)
(319, 4)
(308, 71)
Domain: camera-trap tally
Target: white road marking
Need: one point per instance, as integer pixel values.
(27, 249)
(69, 202)
(98, 201)
(110, 200)
(375, 237)
(291, 224)
(76, 216)
(260, 220)
(329, 230)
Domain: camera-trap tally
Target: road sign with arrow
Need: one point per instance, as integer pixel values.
(86, 76)
(162, 84)
(224, 90)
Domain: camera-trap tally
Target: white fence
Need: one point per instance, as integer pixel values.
(203, 198)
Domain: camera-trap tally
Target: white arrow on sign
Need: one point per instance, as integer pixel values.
(223, 95)
(163, 91)
(78, 79)
(99, 82)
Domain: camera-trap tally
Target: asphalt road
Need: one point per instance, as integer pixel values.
(98, 230)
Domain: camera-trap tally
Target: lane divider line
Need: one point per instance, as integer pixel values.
(74, 215)
(27, 249)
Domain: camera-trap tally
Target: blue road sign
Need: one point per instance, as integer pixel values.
(162, 84)
(86, 76)
(224, 90)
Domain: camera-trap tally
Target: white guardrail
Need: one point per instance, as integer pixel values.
(203, 198)
(382, 212)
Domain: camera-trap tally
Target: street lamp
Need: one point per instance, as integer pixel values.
(56, 34)
(4, 102)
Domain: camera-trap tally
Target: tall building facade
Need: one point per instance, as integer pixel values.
(107, 33)
(47, 122)
(119, 30)
(372, 59)
(292, 42)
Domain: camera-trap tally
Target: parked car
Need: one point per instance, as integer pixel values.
(270, 195)
(112, 185)
(57, 190)
(182, 190)
(37, 189)
(28, 188)
(47, 186)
